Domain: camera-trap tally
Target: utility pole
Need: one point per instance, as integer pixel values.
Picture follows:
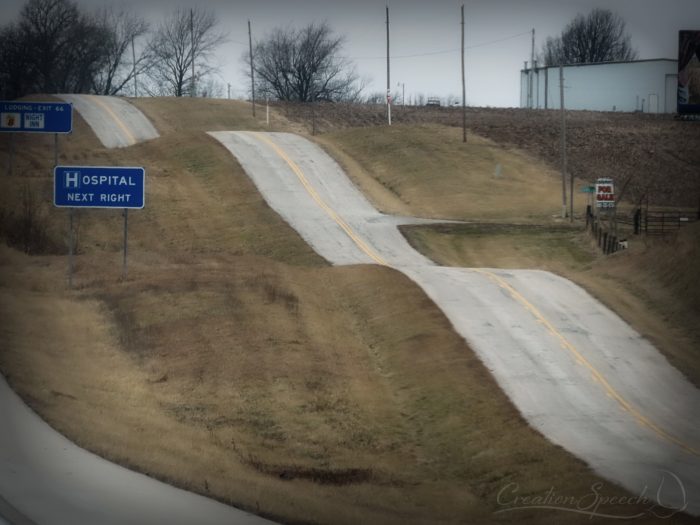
(388, 71)
(464, 88)
(133, 70)
(532, 71)
(192, 86)
(252, 69)
(229, 91)
(571, 197)
(563, 142)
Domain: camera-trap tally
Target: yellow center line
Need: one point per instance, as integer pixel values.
(596, 375)
(116, 119)
(316, 197)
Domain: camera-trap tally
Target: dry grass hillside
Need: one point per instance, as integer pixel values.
(236, 363)
(654, 156)
(426, 170)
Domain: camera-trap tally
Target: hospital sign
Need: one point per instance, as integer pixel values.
(99, 187)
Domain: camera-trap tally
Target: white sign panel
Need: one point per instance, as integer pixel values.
(604, 193)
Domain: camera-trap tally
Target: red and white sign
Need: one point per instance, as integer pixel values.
(604, 193)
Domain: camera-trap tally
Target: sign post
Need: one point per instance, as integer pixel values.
(605, 201)
(126, 223)
(99, 187)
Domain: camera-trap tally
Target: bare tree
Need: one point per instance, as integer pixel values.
(14, 80)
(184, 37)
(375, 98)
(210, 87)
(52, 48)
(121, 30)
(598, 37)
(304, 65)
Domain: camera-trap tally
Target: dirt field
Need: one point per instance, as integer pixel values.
(653, 157)
(235, 363)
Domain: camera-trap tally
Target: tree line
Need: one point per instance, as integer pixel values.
(599, 36)
(54, 47)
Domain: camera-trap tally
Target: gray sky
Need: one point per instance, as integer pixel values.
(420, 27)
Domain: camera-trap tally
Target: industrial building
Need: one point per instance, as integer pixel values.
(649, 86)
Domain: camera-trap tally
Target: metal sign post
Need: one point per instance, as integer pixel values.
(71, 242)
(10, 160)
(126, 223)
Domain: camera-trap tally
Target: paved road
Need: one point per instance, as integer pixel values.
(116, 123)
(47, 480)
(573, 368)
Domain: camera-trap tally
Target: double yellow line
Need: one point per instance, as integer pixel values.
(579, 358)
(117, 120)
(317, 198)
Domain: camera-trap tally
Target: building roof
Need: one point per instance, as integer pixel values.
(607, 63)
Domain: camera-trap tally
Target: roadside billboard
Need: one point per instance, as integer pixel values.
(689, 72)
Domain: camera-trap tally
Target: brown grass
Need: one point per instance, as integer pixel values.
(235, 363)
(654, 156)
(428, 171)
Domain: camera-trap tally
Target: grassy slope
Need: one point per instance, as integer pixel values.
(427, 171)
(235, 363)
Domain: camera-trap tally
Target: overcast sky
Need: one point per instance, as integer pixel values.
(497, 36)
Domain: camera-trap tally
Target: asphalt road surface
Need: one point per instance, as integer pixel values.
(47, 480)
(116, 123)
(574, 369)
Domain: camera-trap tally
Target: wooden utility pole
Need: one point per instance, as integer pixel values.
(133, 67)
(464, 88)
(192, 84)
(388, 71)
(563, 142)
(252, 69)
(531, 73)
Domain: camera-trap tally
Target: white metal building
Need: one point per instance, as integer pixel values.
(640, 85)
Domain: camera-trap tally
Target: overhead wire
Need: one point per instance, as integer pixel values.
(443, 52)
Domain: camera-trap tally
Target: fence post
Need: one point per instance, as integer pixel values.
(605, 243)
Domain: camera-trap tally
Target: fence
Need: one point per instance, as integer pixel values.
(603, 233)
(611, 232)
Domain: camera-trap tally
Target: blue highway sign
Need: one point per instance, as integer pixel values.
(36, 117)
(98, 187)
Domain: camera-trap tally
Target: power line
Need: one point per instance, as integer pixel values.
(445, 51)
